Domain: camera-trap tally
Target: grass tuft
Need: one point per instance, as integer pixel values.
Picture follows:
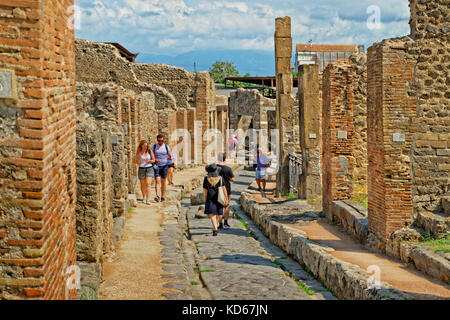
(305, 288)
(437, 245)
(290, 196)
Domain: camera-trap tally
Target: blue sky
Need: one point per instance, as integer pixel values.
(162, 30)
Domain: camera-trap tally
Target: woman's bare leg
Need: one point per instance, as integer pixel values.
(143, 189)
(214, 221)
(259, 183)
(158, 186)
(170, 176)
(149, 187)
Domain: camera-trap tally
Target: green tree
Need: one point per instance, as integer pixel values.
(221, 70)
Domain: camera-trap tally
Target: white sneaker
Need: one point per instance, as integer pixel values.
(148, 202)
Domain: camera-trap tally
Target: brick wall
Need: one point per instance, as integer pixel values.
(337, 134)
(390, 110)
(37, 148)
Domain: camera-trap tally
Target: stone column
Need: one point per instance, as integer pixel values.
(285, 101)
(203, 101)
(337, 134)
(182, 124)
(191, 128)
(309, 120)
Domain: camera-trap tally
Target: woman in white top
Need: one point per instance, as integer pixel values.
(145, 159)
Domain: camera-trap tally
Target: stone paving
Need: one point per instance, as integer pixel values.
(241, 264)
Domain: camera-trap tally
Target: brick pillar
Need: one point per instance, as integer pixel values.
(285, 101)
(390, 113)
(309, 119)
(337, 134)
(38, 150)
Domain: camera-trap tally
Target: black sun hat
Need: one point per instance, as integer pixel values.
(213, 170)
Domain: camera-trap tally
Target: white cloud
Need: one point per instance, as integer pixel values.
(168, 26)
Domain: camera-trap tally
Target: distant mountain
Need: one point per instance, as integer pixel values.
(257, 63)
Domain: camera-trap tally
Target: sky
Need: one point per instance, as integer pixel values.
(181, 32)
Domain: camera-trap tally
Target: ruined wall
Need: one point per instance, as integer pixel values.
(37, 150)
(101, 63)
(104, 171)
(358, 63)
(430, 154)
(337, 134)
(408, 123)
(250, 103)
(176, 81)
(94, 190)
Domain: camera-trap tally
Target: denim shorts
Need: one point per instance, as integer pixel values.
(146, 173)
(161, 171)
(260, 174)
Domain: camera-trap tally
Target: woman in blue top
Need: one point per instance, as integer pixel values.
(262, 162)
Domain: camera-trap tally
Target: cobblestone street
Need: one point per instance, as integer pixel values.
(241, 264)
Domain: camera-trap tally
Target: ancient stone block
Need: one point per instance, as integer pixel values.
(283, 27)
(309, 123)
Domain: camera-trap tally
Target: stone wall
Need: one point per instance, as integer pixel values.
(250, 103)
(176, 81)
(358, 63)
(105, 151)
(37, 150)
(408, 123)
(94, 190)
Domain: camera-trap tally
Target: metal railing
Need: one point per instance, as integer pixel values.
(295, 170)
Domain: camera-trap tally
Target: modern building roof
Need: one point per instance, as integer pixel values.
(124, 52)
(269, 82)
(302, 47)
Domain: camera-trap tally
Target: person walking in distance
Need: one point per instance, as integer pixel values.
(227, 177)
(172, 166)
(262, 162)
(162, 154)
(145, 160)
(211, 185)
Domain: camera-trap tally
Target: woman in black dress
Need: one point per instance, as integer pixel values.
(211, 185)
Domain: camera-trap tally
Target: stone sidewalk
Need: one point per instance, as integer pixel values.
(332, 255)
(241, 264)
(143, 267)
